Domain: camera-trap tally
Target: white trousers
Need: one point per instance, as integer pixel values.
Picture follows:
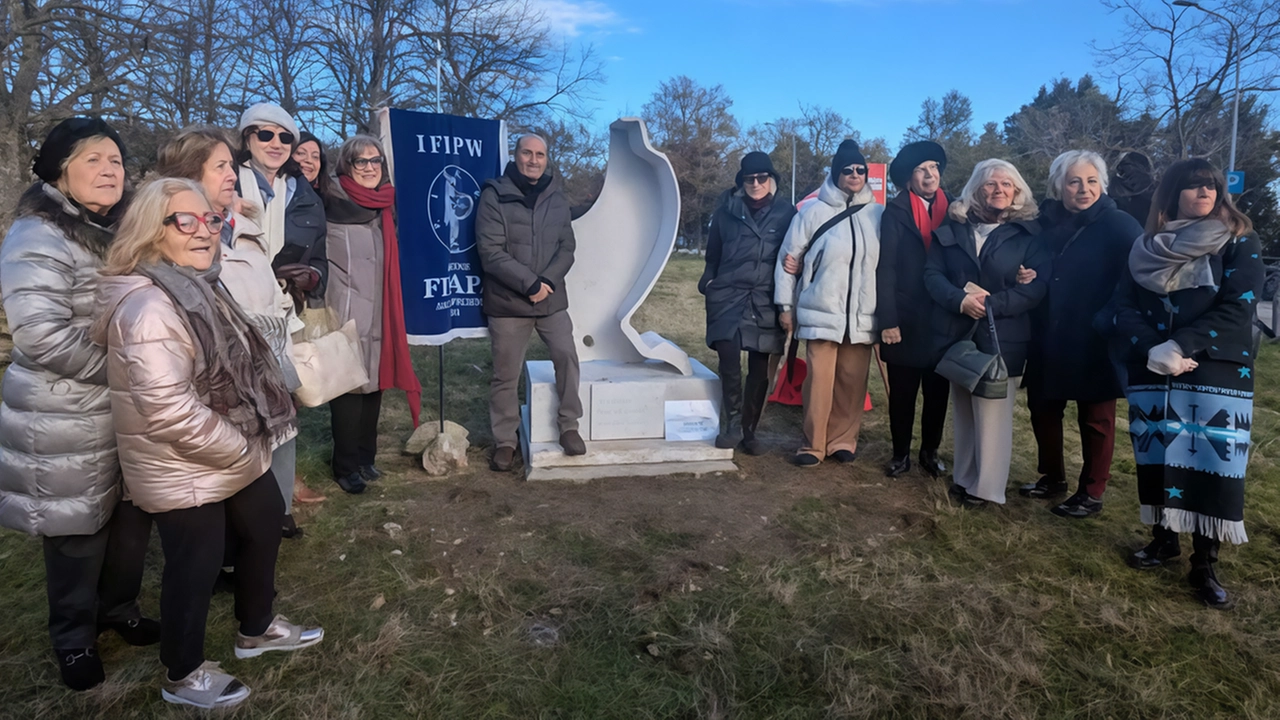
(983, 441)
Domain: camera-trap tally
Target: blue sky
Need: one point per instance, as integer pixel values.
(874, 61)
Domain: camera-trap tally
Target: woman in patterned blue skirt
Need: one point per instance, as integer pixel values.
(1185, 310)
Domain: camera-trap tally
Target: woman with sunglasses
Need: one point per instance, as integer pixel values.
(365, 287)
(59, 473)
(197, 397)
(834, 243)
(742, 249)
(972, 273)
(1186, 305)
(292, 214)
(203, 154)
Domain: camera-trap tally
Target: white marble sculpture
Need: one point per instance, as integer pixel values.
(624, 241)
(640, 392)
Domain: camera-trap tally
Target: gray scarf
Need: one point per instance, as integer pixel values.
(1178, 257)
(237, 371)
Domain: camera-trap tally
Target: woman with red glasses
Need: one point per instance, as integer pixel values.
(834, 243)
(292, 215)
(742, 249)
(196, 397)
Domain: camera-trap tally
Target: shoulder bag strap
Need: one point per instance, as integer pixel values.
(839, 217)
(991, 325)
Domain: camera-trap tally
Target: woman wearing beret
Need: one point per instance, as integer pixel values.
(1186, 306)
(742, 248)
(834, 243)
(292, 214)
(59, 472)
(972, 273)
(904, 309)
(1089, 239)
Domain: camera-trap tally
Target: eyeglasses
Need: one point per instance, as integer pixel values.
(860, 169)
(266, 136)
(1197, 183)
(364, 163)
(759, 178)
(188, 223)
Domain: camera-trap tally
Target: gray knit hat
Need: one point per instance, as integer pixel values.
(266, 113)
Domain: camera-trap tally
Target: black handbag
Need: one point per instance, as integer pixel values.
(983, 374)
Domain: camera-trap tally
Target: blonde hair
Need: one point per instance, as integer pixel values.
(1023, 206)
(142, 227)
(77, 149)
(1063, 163)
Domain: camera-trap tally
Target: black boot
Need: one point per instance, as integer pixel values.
(730, 416)
(1162, 548)
(898, 466)
(1203, 578)
(751, 409)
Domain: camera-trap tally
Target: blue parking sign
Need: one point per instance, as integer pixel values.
(1235, 182)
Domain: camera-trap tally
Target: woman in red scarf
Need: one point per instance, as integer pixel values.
(904, 309)
(364, 285)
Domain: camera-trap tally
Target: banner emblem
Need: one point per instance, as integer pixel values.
(451, 202)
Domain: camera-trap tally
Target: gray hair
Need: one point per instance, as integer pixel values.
(546, 146)
(1069, 159)
(352, 149)
(1024, 203)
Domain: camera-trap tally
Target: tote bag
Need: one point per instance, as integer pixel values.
(983, 374)
(329, 362)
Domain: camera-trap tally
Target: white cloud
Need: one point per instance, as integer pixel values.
(573, 18)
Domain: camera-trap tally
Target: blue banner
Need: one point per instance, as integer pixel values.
(438, 164)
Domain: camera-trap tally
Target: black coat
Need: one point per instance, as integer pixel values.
(1210, 324)
(1069, 358)
(742, 252)
(952, 263)
(305, 231)
(521, 247)
(901, 299)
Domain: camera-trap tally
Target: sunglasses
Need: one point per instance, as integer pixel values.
(188, 223)
(860, 169)
(364, 163)
(266, 136)
(1198, 183)
(760, 178)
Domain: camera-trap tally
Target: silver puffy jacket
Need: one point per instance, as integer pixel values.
(59, 474)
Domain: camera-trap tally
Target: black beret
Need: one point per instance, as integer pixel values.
(57, 146)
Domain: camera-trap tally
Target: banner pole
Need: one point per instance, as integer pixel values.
(440, 382)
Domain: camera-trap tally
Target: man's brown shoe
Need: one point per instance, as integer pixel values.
(504, 458)
(572, 444)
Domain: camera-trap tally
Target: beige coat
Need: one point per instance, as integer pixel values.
(175, 451)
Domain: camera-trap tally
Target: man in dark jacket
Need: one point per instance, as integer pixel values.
(526, 246)
(904, 308)
(742, 249)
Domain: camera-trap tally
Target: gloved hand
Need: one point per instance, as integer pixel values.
(1167, 359)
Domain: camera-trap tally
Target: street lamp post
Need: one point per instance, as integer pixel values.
(1233, 44)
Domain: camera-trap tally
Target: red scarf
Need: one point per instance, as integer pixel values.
(928, 219)
(395, 368)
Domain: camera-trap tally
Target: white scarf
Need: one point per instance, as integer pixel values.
(272, 213)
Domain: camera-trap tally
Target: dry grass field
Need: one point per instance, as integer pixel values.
(773, 593)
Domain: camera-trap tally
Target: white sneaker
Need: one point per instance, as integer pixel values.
(205, 687)
(280, 635)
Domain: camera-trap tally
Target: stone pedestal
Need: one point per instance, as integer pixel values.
(623, 422)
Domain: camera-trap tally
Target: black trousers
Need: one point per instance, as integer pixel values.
(95, 578)
(353, 420)
(733, 404)
(193, 540)
(904, 385)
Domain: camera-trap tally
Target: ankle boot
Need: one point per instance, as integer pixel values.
(1203, 578)
(1162, 548)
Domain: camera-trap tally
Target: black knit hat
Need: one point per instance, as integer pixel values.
(911, 156)
(848, 154)
(754, 163)
(57, 146)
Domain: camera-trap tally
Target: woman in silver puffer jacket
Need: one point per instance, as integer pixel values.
(59, 475)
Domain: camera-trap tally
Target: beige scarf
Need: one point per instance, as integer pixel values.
(272, 213)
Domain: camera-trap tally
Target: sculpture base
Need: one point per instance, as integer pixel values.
(626, 422)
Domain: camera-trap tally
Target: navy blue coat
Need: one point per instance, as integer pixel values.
(1069, 358)
(1212, 325)
(901, 298)
(742, 251)
(952, 263)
